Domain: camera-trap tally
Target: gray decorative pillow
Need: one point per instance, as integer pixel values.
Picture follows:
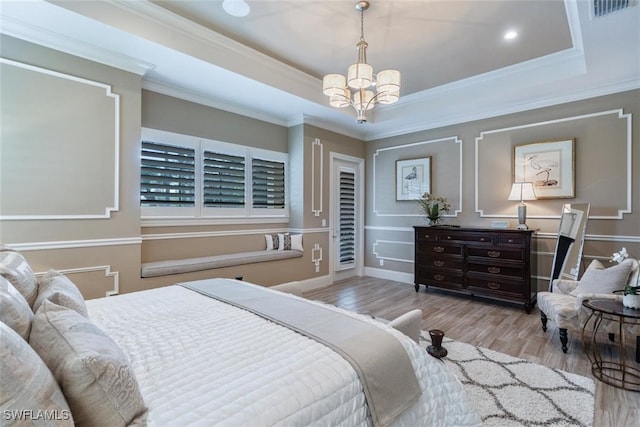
(16, 270)
(14, 309)
(600, 280)
(60, 290)
(92, 371)
(27, 386)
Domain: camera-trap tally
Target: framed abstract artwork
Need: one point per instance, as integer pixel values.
(549, 165)
(413, 178)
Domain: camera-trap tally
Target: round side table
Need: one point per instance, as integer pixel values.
(622, 373)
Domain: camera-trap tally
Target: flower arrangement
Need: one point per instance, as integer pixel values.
(631, 288)
(433, 206)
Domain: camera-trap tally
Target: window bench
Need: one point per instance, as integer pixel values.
(177, 266)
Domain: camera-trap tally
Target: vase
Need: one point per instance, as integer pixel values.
(436, 349)
(434, 221)
(631, 301)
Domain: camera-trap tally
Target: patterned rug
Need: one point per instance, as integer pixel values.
(513, 392)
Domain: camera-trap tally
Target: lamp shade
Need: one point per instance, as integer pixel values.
(388, 86)
(334, 84)
(360, 76)
(363, 100)
(522, 191)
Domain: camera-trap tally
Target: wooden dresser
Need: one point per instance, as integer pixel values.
(488, 262)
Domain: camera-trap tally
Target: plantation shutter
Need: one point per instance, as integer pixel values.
(223, 180)
(347, 221)
(167, 175)
(268, 187)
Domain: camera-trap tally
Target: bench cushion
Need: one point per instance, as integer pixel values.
(177, 266)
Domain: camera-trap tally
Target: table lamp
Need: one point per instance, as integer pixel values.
(522, 191)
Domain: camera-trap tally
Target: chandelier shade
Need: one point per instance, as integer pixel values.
(361, 88)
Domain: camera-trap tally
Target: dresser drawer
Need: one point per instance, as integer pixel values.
(511, 240)
(496, 253)
(465, 237)
(443, 262)
(425, 235)
(440, 278)
(497, 269)
(498, 284)
(429, 249)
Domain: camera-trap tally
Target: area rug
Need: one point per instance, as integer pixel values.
(508, 391)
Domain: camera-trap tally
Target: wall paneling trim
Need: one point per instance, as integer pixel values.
(40, 149)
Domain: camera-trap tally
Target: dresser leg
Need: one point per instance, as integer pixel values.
(543, 319)
(417, 287)
(563, 339)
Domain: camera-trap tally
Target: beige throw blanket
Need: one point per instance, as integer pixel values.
(382, 364)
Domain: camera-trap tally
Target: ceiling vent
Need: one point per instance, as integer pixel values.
(606, 7)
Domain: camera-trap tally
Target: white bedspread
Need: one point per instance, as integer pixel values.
(203, 362)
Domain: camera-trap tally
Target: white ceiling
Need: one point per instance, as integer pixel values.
(269, 65)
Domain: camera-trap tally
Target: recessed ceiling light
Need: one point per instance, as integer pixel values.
(510, 35)
(237, 8)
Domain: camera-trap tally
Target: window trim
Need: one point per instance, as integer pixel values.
(212, 215)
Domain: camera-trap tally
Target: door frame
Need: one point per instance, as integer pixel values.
(358, 165)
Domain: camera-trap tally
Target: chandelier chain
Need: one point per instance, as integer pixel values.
(361, 24)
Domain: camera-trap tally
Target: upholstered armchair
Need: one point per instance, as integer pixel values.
(562, 304)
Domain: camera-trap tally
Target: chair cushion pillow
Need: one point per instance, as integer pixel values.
(27, 384)
(17, 270)
(600, 280)
(92, 371)
(14, 309)
(60, 290)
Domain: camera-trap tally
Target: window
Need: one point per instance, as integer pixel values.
(183, 176)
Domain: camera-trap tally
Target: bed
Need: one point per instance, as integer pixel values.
(190, 359)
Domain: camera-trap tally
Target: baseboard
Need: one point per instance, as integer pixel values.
(396, 276)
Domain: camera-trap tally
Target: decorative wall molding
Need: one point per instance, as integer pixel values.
(317, 176)
(453, 139)
(113, 204)
(379, 243)
(396, 276)
(107, 273)
(72, 244)
(629, 161)
(316, 256)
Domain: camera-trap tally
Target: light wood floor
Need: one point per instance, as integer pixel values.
(494, 325)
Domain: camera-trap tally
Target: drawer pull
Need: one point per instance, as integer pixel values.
(493, 285)
(482, 239)
(510, 241)
(438, 249)
(438, 277)
(426, 236)
(438, 263)
(448, 237)
(494, 254)
(494, 270)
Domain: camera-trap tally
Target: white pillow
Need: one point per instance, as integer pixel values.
(59, 289)
(600, 280)
(289, 242)
(92, 371)
(27, 384)
(15, 268)
(14, 309)
(272, 240)
(296, 242)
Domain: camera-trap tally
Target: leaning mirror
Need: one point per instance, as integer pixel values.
(568, 254)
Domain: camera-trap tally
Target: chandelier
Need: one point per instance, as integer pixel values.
(361, 88)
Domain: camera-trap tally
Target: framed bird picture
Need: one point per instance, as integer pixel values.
(413, 178)
(549, 165)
